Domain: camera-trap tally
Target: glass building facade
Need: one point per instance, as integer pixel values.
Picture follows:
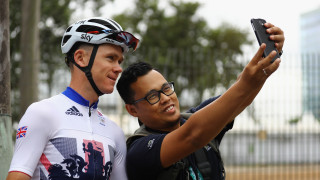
(310, 52)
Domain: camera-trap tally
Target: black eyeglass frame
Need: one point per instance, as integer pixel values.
(171, 84)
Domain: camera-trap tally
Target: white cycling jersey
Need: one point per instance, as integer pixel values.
(63, 138)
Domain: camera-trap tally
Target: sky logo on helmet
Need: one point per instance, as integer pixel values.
(86, 37)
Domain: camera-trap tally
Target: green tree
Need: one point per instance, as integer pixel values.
(29, 43)
(5, 110)
(54, 19)
(180, 42)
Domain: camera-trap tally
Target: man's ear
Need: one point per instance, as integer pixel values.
(131, 110)
(80, 57)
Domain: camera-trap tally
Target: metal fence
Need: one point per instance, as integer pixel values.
(280, 130)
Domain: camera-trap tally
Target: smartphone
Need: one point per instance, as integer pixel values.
(263, 37)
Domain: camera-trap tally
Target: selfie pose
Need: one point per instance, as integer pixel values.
(172, 146)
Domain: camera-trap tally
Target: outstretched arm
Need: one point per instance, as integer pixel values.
(206, 123)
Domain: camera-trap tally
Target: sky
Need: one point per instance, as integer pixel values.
(282, 13)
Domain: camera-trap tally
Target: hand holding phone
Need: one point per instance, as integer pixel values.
(263, 37)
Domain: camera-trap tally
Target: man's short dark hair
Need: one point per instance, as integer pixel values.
(69, 59)
(129, 76)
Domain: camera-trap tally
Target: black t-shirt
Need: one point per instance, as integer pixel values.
(143, 156)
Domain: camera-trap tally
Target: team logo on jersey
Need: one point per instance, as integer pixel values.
(73, 166)
(150, 143)
(101, 118)
(207, 147)
(74, 111)
(21, 132)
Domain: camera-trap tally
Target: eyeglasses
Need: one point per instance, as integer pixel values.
(154, 96)
(121, 37)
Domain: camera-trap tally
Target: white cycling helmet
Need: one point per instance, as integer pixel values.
(97, 31)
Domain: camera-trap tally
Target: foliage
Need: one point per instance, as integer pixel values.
(183, 38)
(168, 41)
(295, 120)
(55, 17)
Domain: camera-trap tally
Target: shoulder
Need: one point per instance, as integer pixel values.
(109, 128)
(39, 112)
(143, 156)
(46, 104)
(110, 123)
(143, 135)
(143, 144)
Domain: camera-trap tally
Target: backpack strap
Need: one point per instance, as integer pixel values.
(202, 160)
(203, 164)
(141, 132)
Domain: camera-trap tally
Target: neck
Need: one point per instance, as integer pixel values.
(85, 90)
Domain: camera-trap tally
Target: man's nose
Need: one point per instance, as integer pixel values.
(164, 97)
(117, 68)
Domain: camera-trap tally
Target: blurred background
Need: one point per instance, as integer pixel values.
(202, 46)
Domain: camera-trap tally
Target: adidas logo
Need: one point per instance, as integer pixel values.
(73, 111)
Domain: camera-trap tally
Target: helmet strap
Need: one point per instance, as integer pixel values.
(87, 70)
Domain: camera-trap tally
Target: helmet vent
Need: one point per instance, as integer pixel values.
(65, 39)
(104, 23)
(87, 28)
(69, 28)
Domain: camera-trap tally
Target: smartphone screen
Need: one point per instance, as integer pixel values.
(263, 37)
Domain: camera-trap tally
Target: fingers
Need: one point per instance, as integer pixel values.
(276, 34)
(257, 57)
(267, 67)
(259, 69)
(263, 65)
(278, 38)
(271, 68)
(268, 25)
(265, 62)
(271, 29)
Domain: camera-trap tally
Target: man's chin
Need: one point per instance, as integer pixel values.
(175, 120)
(108, 90)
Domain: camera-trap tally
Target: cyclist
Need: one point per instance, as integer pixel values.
(66, 136)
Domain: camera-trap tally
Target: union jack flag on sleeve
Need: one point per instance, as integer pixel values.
(21, 132)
